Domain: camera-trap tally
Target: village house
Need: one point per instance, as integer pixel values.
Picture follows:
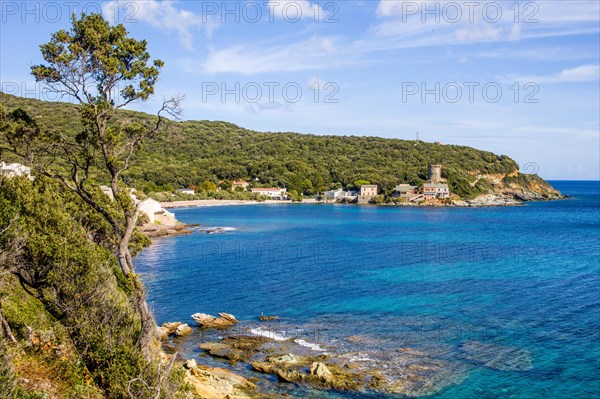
(156, 213)
(239, 184)
(405, 191)
(186, 191)
(339, 194)
(15, 169)
(273, 193)
(149, 207)
(436, 190)
(334, 195)
(367, 192)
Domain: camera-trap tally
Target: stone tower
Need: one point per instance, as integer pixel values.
(435, 173)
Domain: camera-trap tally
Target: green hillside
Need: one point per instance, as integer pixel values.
(191, 152)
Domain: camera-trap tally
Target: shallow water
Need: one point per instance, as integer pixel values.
(511, 295)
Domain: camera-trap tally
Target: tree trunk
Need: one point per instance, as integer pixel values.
(148, 332)
(5, 328)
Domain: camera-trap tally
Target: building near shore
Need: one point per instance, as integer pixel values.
(156, 213)
(367, 192)
(405, 191)
(436, 190)
(340, 195)
(239, 184)
(186, 191)
(15, 170)
(334, 195)
(271, 192)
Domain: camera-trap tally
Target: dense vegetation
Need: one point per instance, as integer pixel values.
(192, 152)
(74, 321)
(66, 303)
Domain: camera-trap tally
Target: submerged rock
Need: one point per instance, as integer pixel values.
(403, 371)
(208, 321)
(505, 358)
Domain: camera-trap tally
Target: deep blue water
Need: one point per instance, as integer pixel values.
(526, 278)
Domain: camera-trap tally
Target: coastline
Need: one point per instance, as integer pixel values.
(207, 203)
(482, 202)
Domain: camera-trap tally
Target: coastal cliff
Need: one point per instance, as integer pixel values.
(510, 189)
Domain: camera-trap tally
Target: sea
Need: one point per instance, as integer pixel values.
(506, 298)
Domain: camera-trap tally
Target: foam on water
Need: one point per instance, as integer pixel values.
(268, 334)
(310, 345)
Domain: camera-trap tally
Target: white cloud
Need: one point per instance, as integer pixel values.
(314, 53)
(479, 34)
(515, 32)
(390, 8)
(428, 23)
(293, 10)
(165, 15)
(583, 73)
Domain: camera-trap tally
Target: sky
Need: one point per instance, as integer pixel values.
(520, 78)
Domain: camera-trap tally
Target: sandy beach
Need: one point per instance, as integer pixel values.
(202, 203)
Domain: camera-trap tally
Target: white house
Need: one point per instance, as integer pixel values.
(436, 190)
(15, 169)
(339, 194)
(273, 193)
(156, 213)
(187, 191)
(334, 194)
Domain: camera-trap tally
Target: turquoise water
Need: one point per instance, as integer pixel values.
(436, 279)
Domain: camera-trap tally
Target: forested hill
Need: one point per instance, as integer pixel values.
(191, 152)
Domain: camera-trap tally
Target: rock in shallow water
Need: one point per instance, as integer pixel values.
(403, 371)
(505, 358)
(183, 330)
(208, 321)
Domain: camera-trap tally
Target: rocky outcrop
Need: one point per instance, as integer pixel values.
(312, 371)
(217, 383)
(156, 230)
(235, 348)
(183, 330)
(511, 188)
(489, 200)
(208, 321)
(414, 372)
(168, 329)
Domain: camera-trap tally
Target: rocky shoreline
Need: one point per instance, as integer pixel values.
(250, 363)
(158, 230)
(485, 200)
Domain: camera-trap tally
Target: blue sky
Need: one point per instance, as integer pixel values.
(516, 78)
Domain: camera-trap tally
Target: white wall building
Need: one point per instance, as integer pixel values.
(15, 169)
(436, 190)
(274, 193)
(156, 213)
(187, 191)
